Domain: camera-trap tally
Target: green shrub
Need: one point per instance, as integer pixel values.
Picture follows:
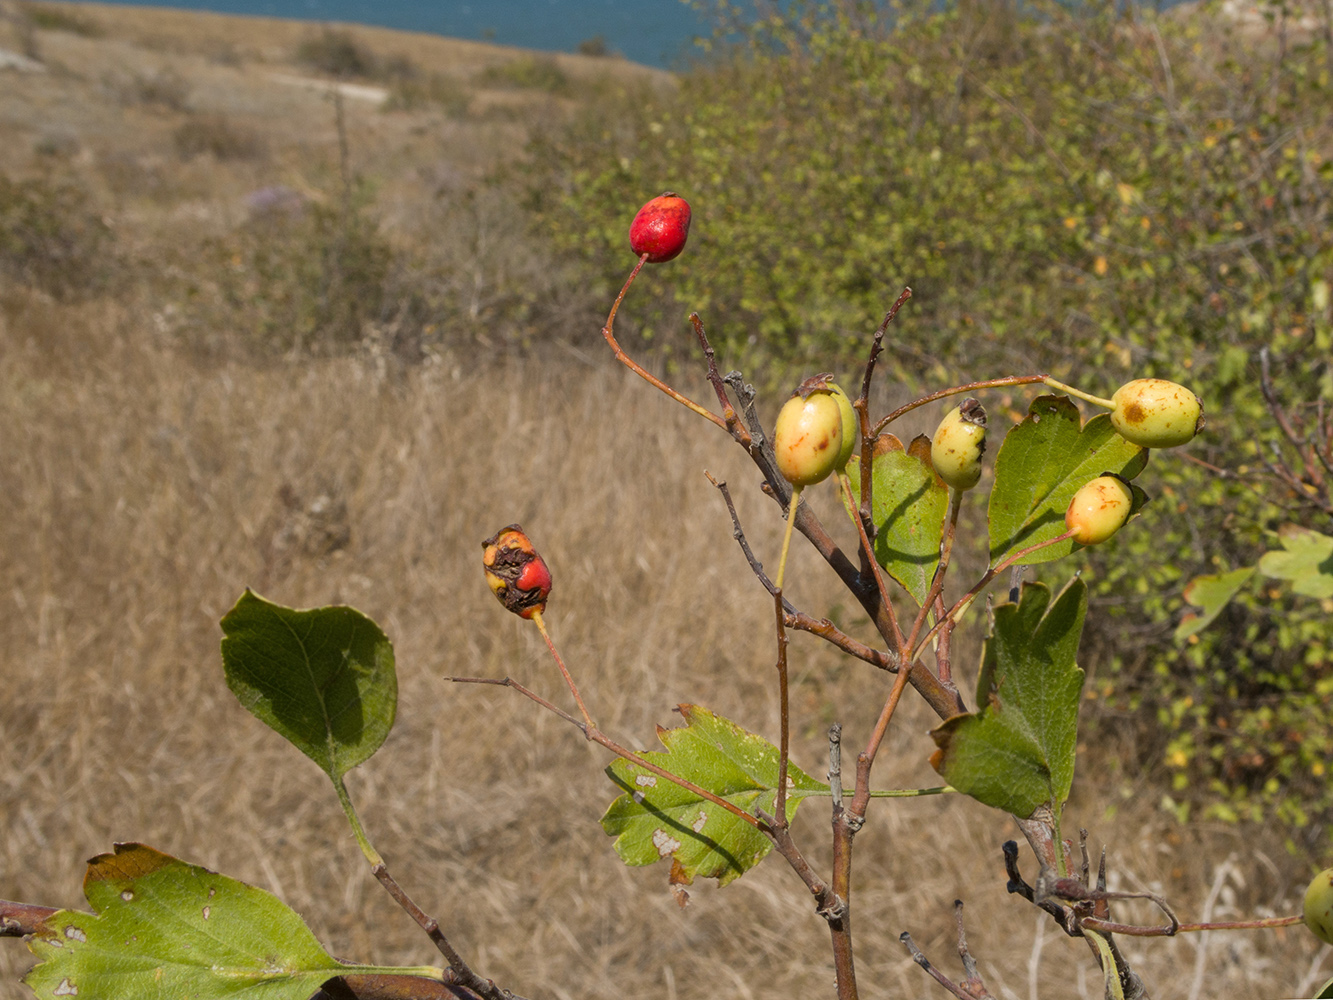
(298, 277)
(1080, 194)
(51, 238)
(527, 73)
(338, 54)
(59, 17)
(440, 90)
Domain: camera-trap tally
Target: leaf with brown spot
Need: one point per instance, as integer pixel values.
(657, 819)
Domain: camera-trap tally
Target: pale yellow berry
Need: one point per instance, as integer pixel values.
(1319, 906)
(851, 427)
(807, 439)
(1155, 413)
(1099, 510)
(959, 443)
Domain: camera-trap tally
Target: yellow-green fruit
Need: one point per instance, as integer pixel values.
(959, 443)
(1319, 906)
(851, 427)
(1155, 413)
(807, 439)
(1099, 510)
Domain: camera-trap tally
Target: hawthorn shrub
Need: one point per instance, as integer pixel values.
(1095, 194)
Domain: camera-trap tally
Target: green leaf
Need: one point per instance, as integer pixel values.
(323, 678)
(909, 508)
(656, 818)
(1325, 991)
(1043, 462)
(1306, 563)
(1017, 752)
(163, 928)
(1211, 592)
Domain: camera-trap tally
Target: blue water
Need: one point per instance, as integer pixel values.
(655, 32)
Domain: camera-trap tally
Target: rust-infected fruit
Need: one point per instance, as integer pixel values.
(1319, 906)
(959, 443)
(516, 574)
(1155, 413)
(807, 438)
(660, 228)
(1099, 510)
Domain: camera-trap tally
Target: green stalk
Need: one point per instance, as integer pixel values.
(368, 849)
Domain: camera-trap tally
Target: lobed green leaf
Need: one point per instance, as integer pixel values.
(1211, 593)
(1305, 561)
(167, 929)
(657, 819)
(1017, 751)
(1043, 462)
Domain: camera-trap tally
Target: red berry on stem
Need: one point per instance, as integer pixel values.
(516, 574)
(660, 228)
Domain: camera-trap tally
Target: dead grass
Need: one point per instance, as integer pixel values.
(143, 493)
(147, 481)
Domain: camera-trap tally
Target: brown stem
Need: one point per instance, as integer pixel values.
(868, 552)
(862, 406)
(821, 627)
(638, 369)
(840, 922)
(992, 383)
(595, 735)
(394, 987)
(985, 580)
(564, 671)
(1165, 930)
(21, 919)
(466, 977)
(784, 718)
(728, 411)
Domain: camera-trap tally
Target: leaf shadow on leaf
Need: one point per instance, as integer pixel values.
(675, 824)
(882, 550)
(1020, 539)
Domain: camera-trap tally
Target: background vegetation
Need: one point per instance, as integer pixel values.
(255, 336)
(1091, 195)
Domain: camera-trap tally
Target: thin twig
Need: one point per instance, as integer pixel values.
(821, 627)
(638, 369)
(466, 977)
(784, 717)
(728, 411)
(595, 735)
(993, 383)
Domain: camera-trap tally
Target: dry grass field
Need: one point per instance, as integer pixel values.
(146, 484)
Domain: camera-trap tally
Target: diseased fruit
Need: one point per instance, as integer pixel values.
(959, 443)
(1099, 509)
(516, 574)
(851, 427)
(807, 438)
(1319, 906)
(660, 228)
(1155, 413)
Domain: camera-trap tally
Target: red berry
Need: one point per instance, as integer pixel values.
(660, 228)
(516, 574)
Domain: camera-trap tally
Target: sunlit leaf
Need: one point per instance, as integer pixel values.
(322, 678)
(1305, 561)
(1042, 463)
(1212, 593)
(910, 505)
(657, 819)
(1017, 751)
(167, 929)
